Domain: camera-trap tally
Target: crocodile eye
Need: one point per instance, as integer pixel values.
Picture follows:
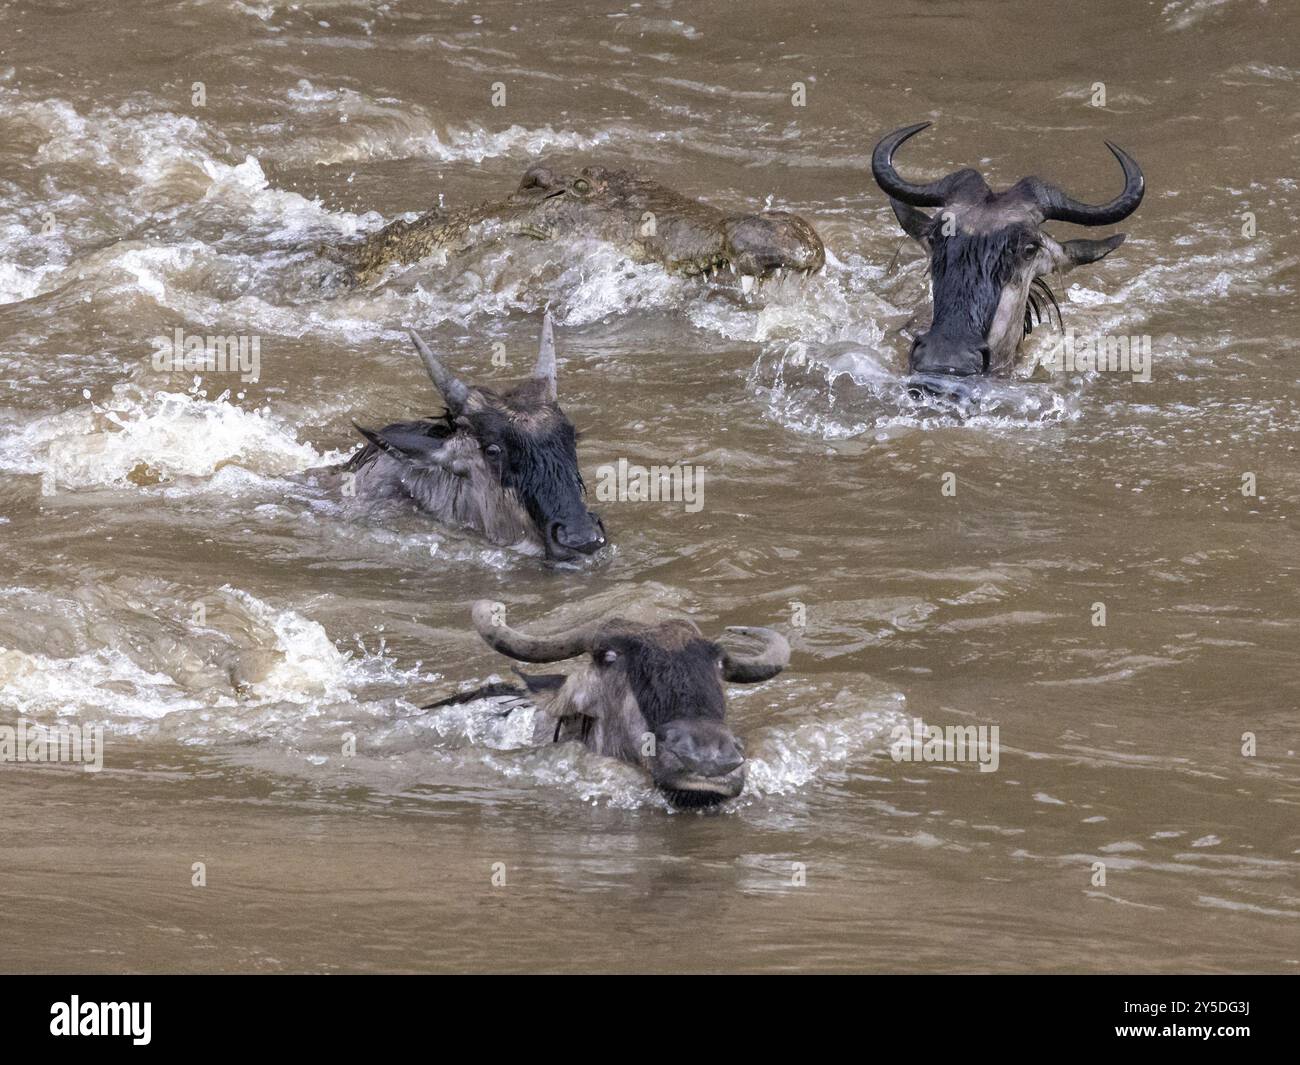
(582, 185)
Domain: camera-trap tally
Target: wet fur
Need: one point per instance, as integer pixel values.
(508, 501)
(971, 270)
(985, 285)
(663, 672)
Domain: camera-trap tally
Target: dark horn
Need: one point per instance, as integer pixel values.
(453, 390)
(882, 168)
(490, 621)
(1059, 207)
(767, 663)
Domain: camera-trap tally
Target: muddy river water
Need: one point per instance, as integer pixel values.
(173, 574)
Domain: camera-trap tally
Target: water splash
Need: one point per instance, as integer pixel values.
(142, 438)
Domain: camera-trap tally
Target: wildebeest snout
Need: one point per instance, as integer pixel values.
(584, 534)
(937, 354)
(698, 762)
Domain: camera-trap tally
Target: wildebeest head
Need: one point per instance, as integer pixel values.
(504, 463)
(649, 694)
(989, 253)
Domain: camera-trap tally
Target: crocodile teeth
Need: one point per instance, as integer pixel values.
(731, 267)
(747, 284)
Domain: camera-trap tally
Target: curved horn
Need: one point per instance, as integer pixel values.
(544, 371)
(453, 390)
(490, 621)
(1059, 207)
(767, 663)
(935, 194)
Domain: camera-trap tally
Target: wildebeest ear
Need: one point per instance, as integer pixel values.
(545, 370)
(415, 449)
(1077, 252)
(916, 224)
(541, 682)
(764, 664)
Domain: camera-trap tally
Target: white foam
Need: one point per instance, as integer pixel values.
(306, 666)
(606, 282)
(363, 129)
(789, 757)
(230, 675)
(839, 391)
(245, 187)
(47, 255)
(88, 685)
(158, 436)
(109, 171)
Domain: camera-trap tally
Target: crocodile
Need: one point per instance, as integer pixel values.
(648, 221)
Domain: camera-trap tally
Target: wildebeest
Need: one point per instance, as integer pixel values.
(648, 694)
(989, 254)
(504, 464)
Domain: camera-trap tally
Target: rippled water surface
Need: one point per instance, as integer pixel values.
(173, 571)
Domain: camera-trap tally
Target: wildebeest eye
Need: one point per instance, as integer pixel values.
(492, 450)
(606, 657)
(1031, 249)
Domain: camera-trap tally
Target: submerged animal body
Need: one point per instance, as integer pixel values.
(648, 694)
(648, 221)
(989, 257)
(503, 464)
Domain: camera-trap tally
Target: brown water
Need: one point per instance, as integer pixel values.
(129, 496)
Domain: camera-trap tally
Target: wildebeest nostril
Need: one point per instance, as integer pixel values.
(728, 760)
(593, 542)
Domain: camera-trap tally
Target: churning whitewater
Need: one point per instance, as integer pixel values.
(1035, 704)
